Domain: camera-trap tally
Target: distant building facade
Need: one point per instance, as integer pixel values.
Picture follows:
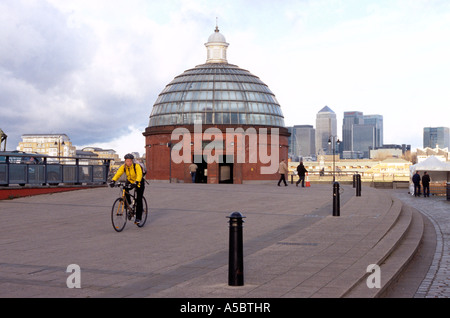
(47, 144)
(361, 134)
(436, 137)
(350, 119)
(326, 127)
(302, 142)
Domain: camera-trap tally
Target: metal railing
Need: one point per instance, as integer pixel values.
(35, 169)
(348, 176)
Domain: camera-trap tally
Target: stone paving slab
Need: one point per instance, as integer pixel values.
(293, 247)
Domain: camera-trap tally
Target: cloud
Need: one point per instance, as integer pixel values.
(93, 69)
(90, 69)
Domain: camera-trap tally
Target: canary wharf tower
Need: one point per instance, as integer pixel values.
(219, 95)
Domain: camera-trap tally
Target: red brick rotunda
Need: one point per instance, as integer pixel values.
(222, 118)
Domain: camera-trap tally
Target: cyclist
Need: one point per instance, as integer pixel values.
(134, 175)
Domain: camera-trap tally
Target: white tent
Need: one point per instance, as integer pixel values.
(438, 170)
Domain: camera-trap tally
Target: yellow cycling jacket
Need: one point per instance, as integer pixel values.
(132, 176)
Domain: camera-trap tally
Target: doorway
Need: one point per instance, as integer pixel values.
(226, 169)
(202, 170)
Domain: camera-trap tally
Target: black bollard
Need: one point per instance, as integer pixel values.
(358, 185)
(354, 181)
(336, 200)
(236, 255)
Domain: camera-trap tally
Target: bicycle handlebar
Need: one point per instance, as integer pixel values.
(126, 185)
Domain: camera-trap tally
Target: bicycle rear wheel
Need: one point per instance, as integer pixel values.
(119, 214)
(144, 212)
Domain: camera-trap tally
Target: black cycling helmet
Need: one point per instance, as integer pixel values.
(129, 156)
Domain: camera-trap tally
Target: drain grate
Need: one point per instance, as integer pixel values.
(298, 244)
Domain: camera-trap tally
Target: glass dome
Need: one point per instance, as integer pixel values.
(218, 94)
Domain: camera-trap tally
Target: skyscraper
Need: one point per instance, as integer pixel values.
(326, 127)
(436, 136)
(377, 122)
(360, 133)
(364, 137)
(302, 142)
(350, 119)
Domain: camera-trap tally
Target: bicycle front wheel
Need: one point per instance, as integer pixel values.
(144, 212)
(119, 214)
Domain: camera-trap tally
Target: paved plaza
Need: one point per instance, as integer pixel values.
(293, 246)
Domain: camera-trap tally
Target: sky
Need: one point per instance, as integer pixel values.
(92, 69)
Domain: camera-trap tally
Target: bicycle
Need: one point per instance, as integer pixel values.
(123, 211)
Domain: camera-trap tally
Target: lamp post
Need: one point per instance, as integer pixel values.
(333, 141)
(59, 143)
(170, 145)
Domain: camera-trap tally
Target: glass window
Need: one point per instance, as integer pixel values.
(198, 116)
(202, 95)
(250, 95)
(209, 117)
(233, 106)
(226, 118)
(186, 107)
(194, 107)
(251, 119)
(187, 118)
(240, 95)
(234, 118)
(201, 106)
(189, 96)
(242, 118)
(218, 118)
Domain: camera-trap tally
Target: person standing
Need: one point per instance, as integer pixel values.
(416, 181)
(301, 170)
(282, 170)
(426, 184)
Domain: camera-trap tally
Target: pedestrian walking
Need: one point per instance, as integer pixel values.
(426, 184)
(193, 170)
(282, 170)
(416, 181)
(301, 170)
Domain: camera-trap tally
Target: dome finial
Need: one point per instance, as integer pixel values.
(217, 25)
(216, 47)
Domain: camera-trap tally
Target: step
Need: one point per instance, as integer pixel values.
(392, 254)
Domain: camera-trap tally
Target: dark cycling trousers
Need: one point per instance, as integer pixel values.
(139, 195)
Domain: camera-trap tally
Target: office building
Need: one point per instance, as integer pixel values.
(364, 137)
(377, 122)
(436, 137)
(326, 127)
(350, 119)
(302, 142)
